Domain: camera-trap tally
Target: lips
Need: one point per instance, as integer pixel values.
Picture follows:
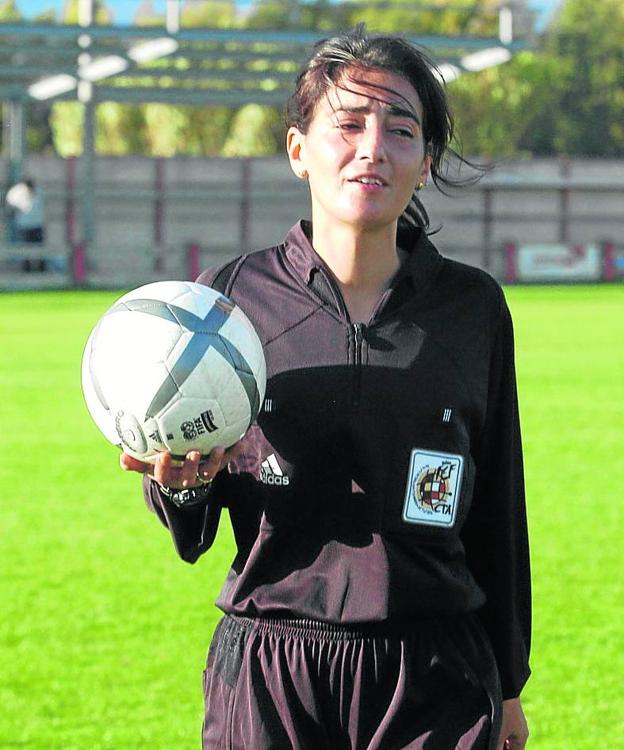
(369, 179)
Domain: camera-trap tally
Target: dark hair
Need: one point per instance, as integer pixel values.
(356, 50)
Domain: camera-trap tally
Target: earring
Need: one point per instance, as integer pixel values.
(420, 186)
(302, 175)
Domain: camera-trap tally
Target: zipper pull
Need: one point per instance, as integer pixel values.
(358, 338)
(358, 333)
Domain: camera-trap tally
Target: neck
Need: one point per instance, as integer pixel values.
(362, 262)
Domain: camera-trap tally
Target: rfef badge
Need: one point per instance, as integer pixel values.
(433, 488)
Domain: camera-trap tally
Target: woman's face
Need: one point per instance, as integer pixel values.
(363, 157)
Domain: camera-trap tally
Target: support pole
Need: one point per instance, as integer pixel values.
(245, 206)
(70, 202)
(194, 261)
(511, 268)
(172, 16)
(609, 270)
(79, 265)
(15, 140)
(13, 143)
(87, 172)
(159, 214)
(488, 220)
(565, 171)
(86, 15)
(505, 24)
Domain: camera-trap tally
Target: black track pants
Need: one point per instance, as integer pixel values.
(303, 685)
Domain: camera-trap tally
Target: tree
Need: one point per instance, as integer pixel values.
(255, 131)
(66, 121)
(46, 16)
(119, 129)
(589, 90)
(9, 11)
(564, 98)
(475, 17)
(498, 110)
(210, 13)
(271, 14)
(101, 13)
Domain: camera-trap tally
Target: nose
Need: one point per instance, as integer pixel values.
(371, 146)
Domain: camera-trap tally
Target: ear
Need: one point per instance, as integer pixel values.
(425, 169)
(295, 147)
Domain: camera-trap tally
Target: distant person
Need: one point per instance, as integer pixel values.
(26, 220)
(25, 200)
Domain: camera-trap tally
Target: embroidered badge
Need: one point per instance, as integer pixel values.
(433, 488)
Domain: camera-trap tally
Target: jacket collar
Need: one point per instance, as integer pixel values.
(420, 267)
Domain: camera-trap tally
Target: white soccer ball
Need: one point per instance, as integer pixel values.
(173, 366)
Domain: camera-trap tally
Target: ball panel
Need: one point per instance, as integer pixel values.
(135, 388)
(99, 411)
(215, 379)
(135, 337)
(193, 424)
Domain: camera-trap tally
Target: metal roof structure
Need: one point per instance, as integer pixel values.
(192, 66)
(195, 66)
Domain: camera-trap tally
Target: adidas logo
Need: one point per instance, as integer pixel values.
(271, 472)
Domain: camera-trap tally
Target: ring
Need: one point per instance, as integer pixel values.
(202, 480)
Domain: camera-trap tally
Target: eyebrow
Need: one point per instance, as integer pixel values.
(393, 109)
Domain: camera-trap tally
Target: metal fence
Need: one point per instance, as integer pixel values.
(156, 218)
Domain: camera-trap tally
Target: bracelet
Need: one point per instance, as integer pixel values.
(187, 497)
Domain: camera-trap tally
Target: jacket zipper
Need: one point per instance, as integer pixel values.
(358, 338)
(357, 331)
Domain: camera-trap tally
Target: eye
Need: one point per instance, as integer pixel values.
(403, 132)
(348, 125)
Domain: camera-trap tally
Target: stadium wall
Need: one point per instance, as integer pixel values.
(164, 218)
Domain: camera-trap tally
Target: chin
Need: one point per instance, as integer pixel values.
(371, 223)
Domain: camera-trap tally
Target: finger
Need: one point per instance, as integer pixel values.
(130, 463)
(163, 469)
(213, 463)
(188, 474)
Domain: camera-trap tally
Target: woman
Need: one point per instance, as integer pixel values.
(379, 598)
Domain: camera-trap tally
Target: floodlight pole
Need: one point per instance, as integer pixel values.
(85, 95)
(172, 16)
(505, 24)
(14, 140)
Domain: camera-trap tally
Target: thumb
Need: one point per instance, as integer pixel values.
(129, 463)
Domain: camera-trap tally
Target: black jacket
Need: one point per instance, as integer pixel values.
(383, 479)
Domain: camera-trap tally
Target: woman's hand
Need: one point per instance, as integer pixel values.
(514, 731)
(192, 472)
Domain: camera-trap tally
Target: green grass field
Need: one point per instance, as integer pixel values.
(103, 630)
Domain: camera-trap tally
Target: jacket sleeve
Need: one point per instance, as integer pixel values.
(192, 529)
(495, 534)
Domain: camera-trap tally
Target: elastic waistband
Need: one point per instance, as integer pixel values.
(317, 630)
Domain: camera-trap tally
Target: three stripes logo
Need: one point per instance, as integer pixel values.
(271, 472)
